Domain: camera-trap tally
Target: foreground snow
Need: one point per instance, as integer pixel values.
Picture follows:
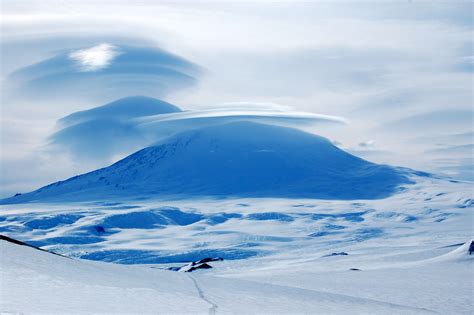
(36, 282)
(281, 255)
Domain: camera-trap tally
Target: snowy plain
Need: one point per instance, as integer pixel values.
(387, 256)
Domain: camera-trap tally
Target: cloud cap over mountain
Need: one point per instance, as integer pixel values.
(131, 123)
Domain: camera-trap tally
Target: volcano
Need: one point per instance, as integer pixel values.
(238, 159)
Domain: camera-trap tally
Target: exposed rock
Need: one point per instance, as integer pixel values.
(336, 254)
(194, 265)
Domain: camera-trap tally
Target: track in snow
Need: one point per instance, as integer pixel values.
(214, 306)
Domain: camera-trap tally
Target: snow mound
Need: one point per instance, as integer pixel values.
(48, 222)
(463, 253)
(151, 219)
(239, 159)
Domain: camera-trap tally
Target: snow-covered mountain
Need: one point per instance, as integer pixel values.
(239, 159)
(281, 255)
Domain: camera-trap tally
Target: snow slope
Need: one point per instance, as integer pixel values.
(39, 282)
(406, 249)
(240, 159)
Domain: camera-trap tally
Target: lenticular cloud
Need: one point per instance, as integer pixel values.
(131, 123)
(104, 71)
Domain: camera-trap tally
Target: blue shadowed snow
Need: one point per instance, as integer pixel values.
(468, 203)
(366, 234)
(67, 240)
(222, 217)
(444, 216)
(156, 257)
(249, 244)
(263, 216)
(12, 228)
(354, 216)
(396, 216)
(105, 203)
(179, 217)
(151, 219)
(349, 216)
(49, 222)
(323, 233)
(334, 227)
(97, 230)
(122, 207)
(135, 220)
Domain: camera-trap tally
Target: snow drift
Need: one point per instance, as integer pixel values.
(239, 159)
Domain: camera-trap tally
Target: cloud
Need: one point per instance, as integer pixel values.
(94, 58)
(126, 125)
(367, 144)
(122, 109)
(435, 122)
(452, 139)
(102, 133)
(373, 155)
(368, 150)
(456, 169)
(454, 150)
(161, 126)
(374, 65)
(98, 140)
(102, 72)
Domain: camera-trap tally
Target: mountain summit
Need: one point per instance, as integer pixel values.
(239, 159)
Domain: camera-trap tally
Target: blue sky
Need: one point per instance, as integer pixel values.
(399, 72)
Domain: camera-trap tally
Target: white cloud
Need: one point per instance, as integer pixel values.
(101, 136)
(94, 58)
